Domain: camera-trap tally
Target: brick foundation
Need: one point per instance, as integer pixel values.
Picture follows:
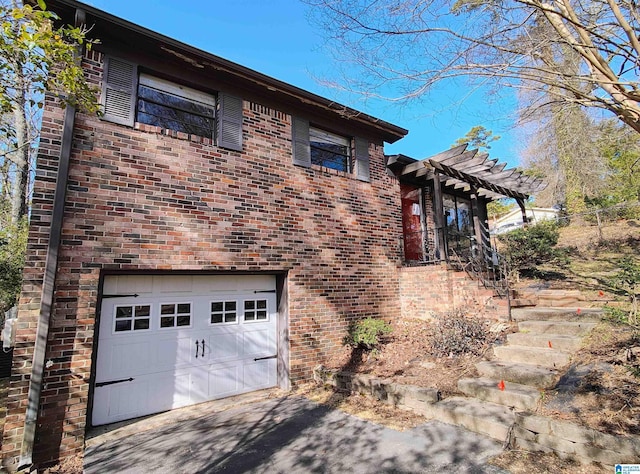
(425, 290)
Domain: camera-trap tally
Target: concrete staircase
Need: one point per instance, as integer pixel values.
(532, 360)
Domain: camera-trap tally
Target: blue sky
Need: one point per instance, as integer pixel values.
(276, 38)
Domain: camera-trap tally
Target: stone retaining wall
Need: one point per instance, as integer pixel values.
(568, 440)
(410, 397)
(530, 432)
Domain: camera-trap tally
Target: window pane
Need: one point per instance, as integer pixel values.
(166, 322)
(142, 311)
(261, 315)
(249, 304)
(184, 320)
(334, 159)
(262, 304)
(216, 318)
(216, 306)
(329, 150)
(141, 324)
(184, 308)
(249, 316)
(124, 312)
(167, 309)
(170, 111)
(123, 325)
(165, 117)
(231, 317)
(230, 305)
(158, 97)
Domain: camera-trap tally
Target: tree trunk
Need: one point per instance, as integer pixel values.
(21, 156)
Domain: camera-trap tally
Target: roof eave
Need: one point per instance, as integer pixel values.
(389, 132)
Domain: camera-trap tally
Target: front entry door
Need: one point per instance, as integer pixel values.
(412, 229)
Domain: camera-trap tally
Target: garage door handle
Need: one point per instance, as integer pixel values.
(264, 358)
(198, 348)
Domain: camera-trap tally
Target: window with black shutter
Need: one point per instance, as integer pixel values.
(129, 97)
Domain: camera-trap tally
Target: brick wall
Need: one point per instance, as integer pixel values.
(139, 199)
(425, 290)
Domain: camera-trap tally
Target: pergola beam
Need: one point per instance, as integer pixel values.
(459, 168)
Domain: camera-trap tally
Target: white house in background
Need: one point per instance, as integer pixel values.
(513, 219)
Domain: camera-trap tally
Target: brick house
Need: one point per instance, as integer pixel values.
(215, 232)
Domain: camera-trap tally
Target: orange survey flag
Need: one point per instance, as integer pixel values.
(501, 385)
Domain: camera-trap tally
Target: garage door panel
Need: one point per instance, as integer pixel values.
(119, 402)
(224, 380)
(173, 353)
(175, 365)
(129, 358)
(225, 346)
(174, 284)
(235, 283)
(259, 374)
(258, 342)
(169, 390)
(124, 284)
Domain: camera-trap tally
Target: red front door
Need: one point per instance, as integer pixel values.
(412, 222)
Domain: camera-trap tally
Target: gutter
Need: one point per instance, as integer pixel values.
(48, 286)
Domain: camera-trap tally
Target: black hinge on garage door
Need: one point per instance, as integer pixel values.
(135, 295)
(112, 382)
(264, 291)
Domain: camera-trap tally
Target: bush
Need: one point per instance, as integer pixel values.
(627, 281)
(616, 315)
(527, 248)
(367, 334)
(13, 244)
(456, 334)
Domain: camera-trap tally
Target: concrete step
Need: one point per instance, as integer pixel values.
(591, 315)
(555, 341)
(544, 356)
(549, 293)
(515, 395)
(517, 303)
(486, 418)
(571, 328)
(526, 374)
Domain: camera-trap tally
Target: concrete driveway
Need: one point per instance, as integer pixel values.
(283, 435)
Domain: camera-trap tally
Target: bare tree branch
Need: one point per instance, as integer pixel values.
(402, 48)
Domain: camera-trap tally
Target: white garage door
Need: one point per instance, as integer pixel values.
(182, 340)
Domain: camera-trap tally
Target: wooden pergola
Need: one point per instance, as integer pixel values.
(471, 172)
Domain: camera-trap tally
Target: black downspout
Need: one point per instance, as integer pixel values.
(48, 285)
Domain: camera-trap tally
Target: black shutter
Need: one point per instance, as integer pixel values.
(300, 139)
(362, 159)
(229, 122)
(119, 88)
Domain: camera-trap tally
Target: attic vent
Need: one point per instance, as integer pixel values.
(261, 109)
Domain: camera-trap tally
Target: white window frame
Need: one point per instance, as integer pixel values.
(175, 315)
(133, 318)
(224, 301)
(255, 310)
